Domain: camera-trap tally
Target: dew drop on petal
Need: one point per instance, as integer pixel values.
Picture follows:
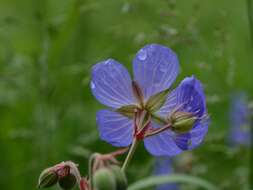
(142, 55)
(92, 85)
(107, 62)
(189, 108)
(163, 67)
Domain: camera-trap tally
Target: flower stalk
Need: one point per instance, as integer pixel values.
(91, 163)
(159, 130)
(250, 15)
(129, 155)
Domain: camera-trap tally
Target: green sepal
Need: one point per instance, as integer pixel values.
(156, 101)
(47, 178)
(67, 182)
(104, 179)
(182, 122)
(120, 177)
(127, 111)
(137, 92)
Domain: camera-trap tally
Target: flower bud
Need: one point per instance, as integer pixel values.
(182, 121)
(67, 182)
(120, 177)
(47, 178)
(104, 179)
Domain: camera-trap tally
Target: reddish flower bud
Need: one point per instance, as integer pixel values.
(67, 182)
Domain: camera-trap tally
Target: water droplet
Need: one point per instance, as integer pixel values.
(189, 108)
(92, 85)
(108, 62)
(142, 55)
(163, 67)
(197, 111)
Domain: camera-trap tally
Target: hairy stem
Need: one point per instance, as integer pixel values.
(129, 155)
(91, 162)
(159, 130)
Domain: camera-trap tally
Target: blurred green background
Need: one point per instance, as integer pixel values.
(47, 47)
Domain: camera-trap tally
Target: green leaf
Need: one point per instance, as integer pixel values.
(127, 111)
(176, 178)
(156, 101)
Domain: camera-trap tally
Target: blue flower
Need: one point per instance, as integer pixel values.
(187, 97)
(163, 166)
(139, 109)
(239, 121)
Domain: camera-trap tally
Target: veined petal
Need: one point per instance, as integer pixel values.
(188, 96)
(183, 140)
(111, 84)
(115, 128)
(197, 134)
(162, 144)
(155, 68)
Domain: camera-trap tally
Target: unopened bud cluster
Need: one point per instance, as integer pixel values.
(110, 178)
(104, 174)
(62, 173)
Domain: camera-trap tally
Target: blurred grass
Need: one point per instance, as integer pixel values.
(48, 47)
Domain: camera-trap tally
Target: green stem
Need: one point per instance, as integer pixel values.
(159, 130)
(91, 162)
(172, 178)
(129, 155)
(251, 153)
(250, 15)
